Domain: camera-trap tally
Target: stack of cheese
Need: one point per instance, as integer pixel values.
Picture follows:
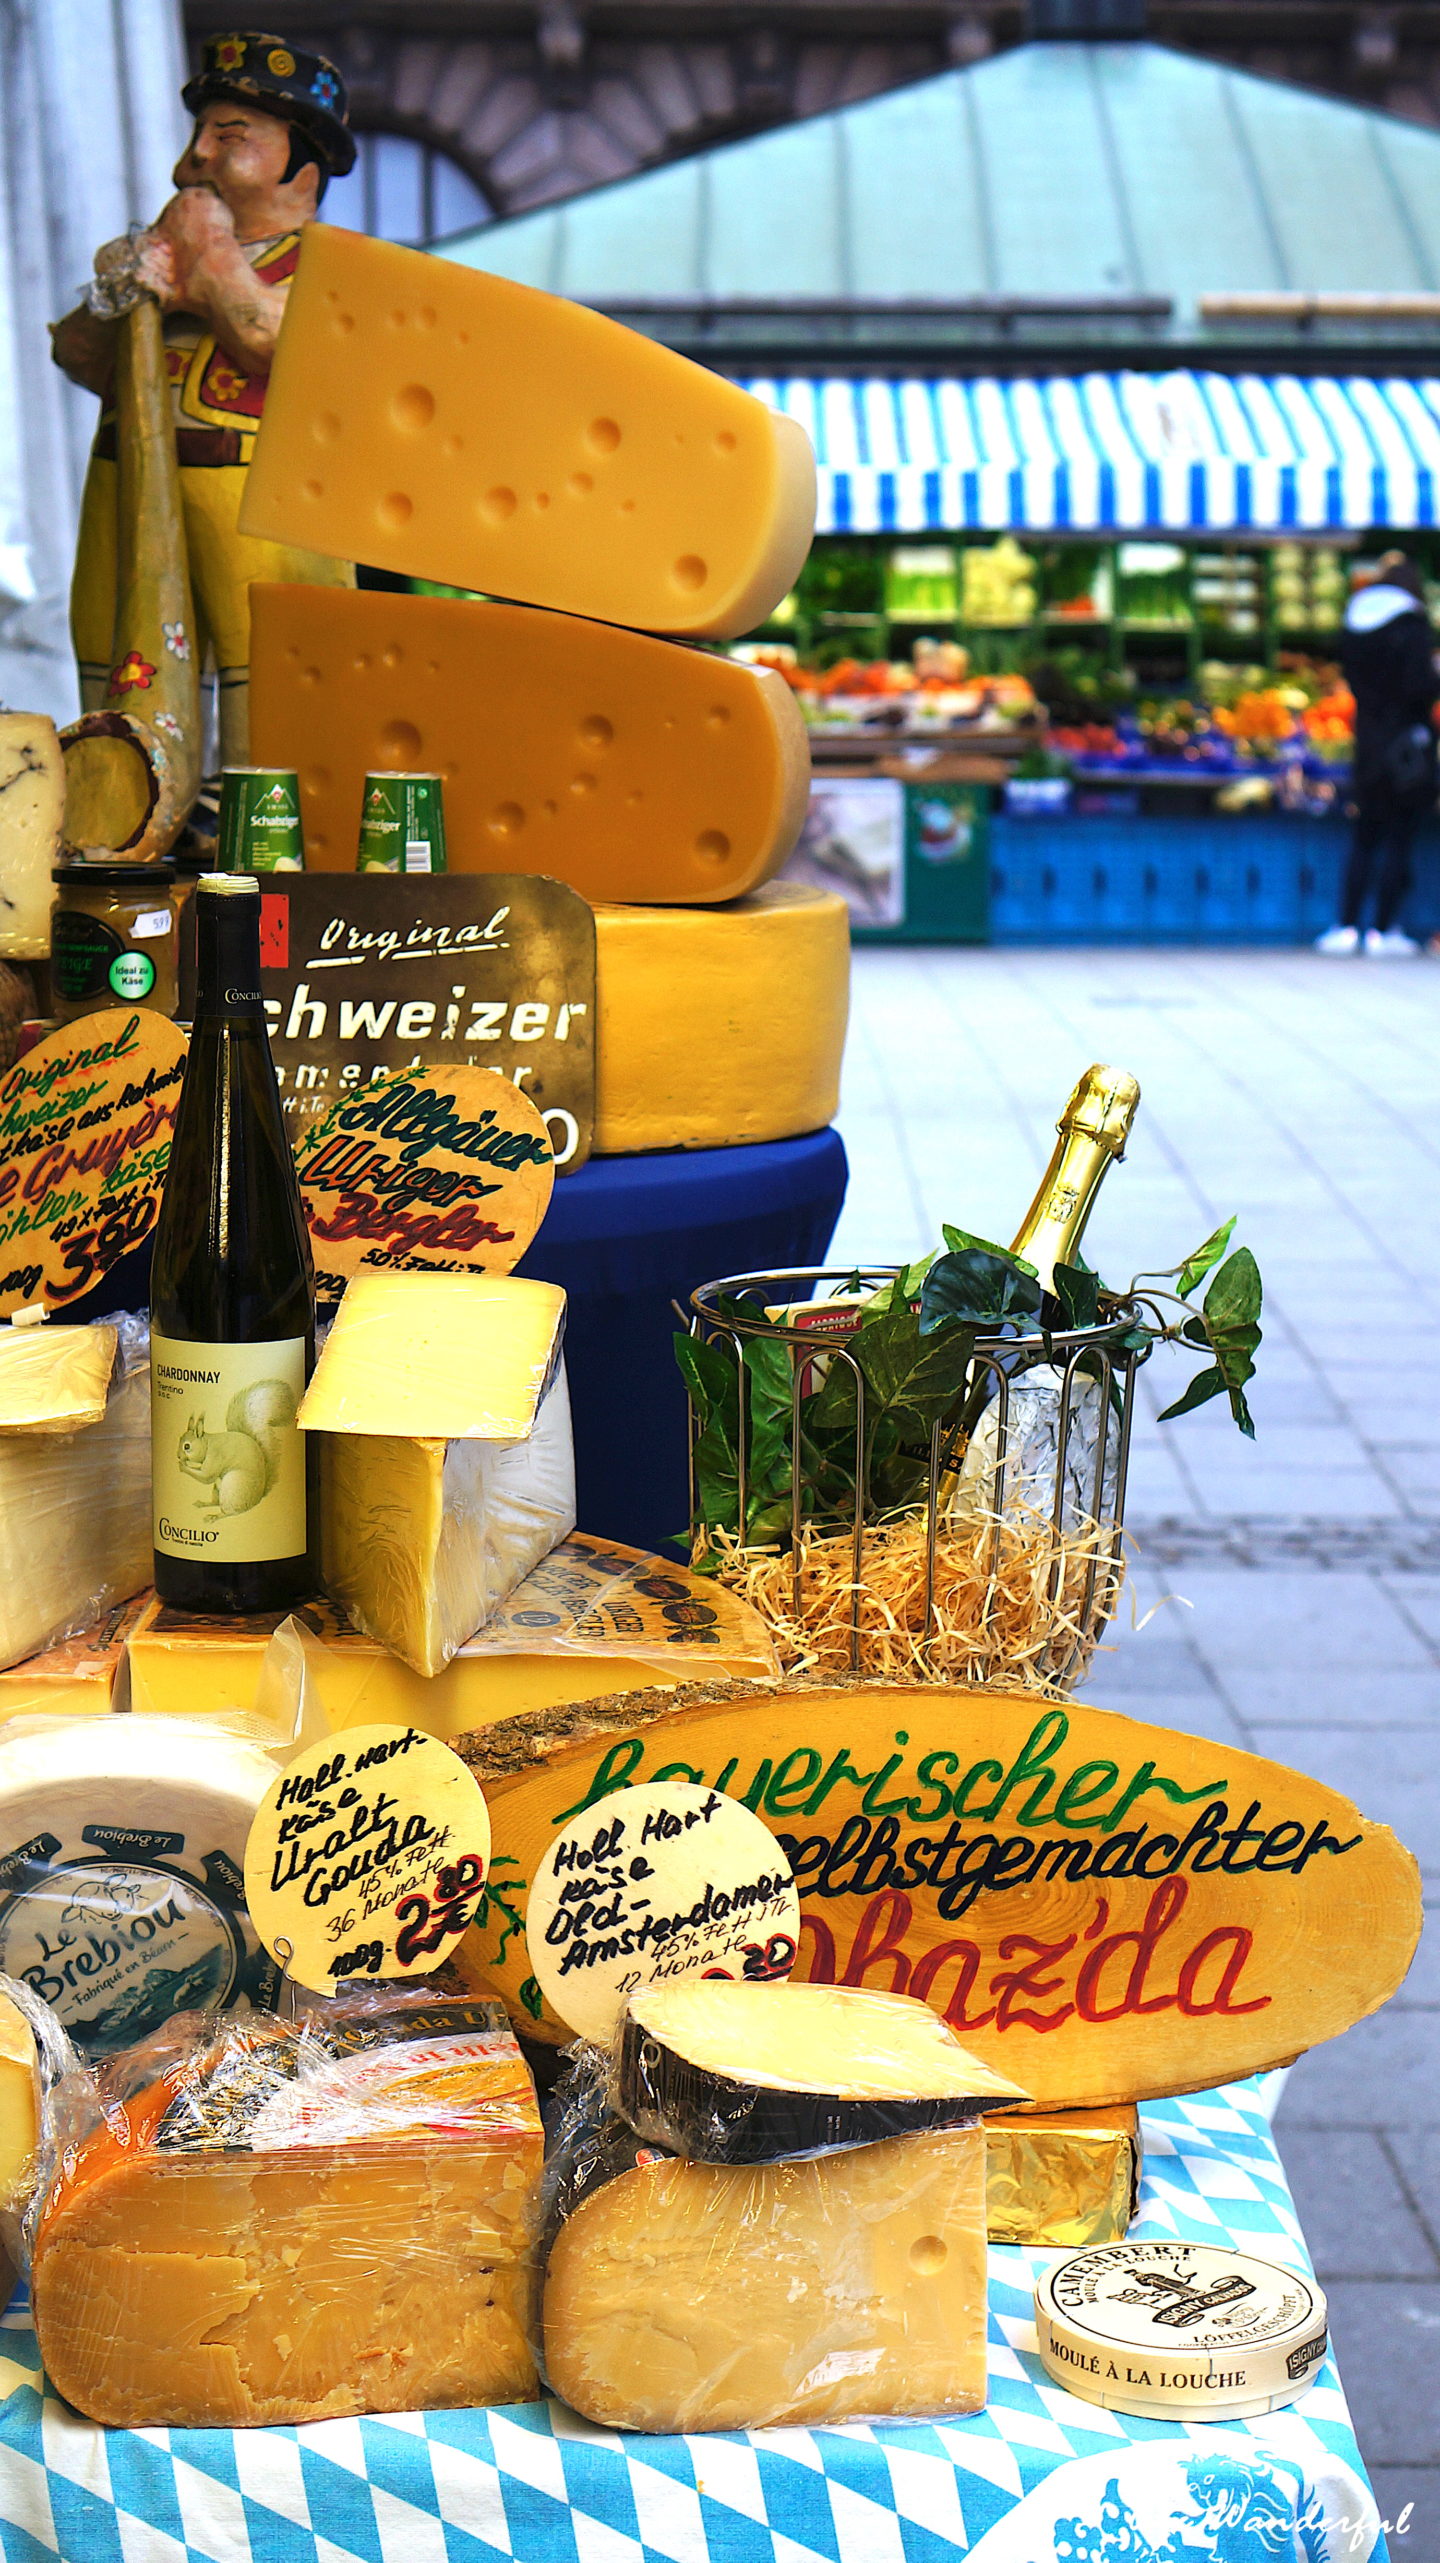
(455, 426)
(775, 2215)
(74, 1487)
(296, 2221)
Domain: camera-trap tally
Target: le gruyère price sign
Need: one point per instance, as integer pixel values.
(435, 1170)
(367, 1858)
(663, 1881)
(85, 1123)
(1101, 1910)
(366, 973)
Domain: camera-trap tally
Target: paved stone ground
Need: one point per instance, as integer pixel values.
(1305, 1095)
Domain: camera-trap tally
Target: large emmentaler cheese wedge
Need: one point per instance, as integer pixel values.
(75, 1529)
(1102, 1910)
(432, 419)
(729, 2072)
(719, 1026)
(698, 2296)
(447, 1469)
(625, 766)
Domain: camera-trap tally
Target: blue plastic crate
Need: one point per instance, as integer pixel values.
(1252, 879)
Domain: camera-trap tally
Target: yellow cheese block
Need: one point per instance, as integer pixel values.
(436, 420)
(54, 1379)
(447, 1468)
(75, 1528)
(625, 766)
(310, 2281)
(84, 1677)
(1062, 2176)
(720, 1025)
(695, 2296)
(32, 814)
(592, 1617)
(17, 2100)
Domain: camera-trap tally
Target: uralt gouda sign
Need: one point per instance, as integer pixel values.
(1102, 1910)
(435, 1170)
(367, 1858)
(663, 1881)
(364, 974)
(85, 1123)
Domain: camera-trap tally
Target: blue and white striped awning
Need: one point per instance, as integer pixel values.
(1241, 453)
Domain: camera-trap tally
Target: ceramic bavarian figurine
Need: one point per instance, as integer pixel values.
(270, 131)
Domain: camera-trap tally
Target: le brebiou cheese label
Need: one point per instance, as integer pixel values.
(227, 1457)
(1165, 2329)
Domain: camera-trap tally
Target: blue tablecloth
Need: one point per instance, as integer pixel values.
(1038, 2477)
(627, 1236)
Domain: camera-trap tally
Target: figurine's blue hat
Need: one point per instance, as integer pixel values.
(267, 71)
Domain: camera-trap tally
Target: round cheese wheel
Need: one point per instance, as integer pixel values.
(1171, 2330)
(720, 1025)
(122, 1891)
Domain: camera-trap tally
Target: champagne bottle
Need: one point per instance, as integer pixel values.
(232, 1303)
(1092, 1131)
(1091, 1134)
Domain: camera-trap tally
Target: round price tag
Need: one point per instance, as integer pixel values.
(367, 1857)
(666, 1880)
(85, 1122)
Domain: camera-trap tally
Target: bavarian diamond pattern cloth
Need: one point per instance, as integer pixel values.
(1038, 2477)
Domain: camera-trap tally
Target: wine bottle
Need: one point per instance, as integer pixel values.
(232, 1305)
(1091, 1135)
(1092, 1131)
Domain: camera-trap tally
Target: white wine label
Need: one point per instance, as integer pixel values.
(663, 1881)
(227, 1457)
(1165, 2328)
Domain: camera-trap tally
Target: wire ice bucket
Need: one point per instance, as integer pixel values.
(1009, 1566)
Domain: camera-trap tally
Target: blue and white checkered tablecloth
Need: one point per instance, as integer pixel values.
(1038, 2477)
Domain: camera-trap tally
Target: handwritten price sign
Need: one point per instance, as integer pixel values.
(662, 1881)
(367, 1858)
(85, 1123)
(436, 1170)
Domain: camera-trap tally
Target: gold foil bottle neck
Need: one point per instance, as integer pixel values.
(1102, 1107)
(1093, 1129)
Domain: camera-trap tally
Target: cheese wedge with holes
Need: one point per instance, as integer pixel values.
(432, 419)
(699, 2296)
(447, 1469)
(625, 766)
(32, 813)
(720, 1026)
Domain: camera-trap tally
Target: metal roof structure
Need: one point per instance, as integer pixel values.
(1057, 206)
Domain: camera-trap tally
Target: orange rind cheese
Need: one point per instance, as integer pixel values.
(449, 424)
(196, 2289)
(622, 765)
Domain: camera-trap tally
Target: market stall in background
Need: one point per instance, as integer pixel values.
(1116, 364)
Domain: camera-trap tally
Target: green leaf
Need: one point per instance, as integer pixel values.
(976, 1287)
(959, 1241)
(910, 1373)
(1204, 1385)
(1204, 1259)
(1235, 1295)
(1078, 1291)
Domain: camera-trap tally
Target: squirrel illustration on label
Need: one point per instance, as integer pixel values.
(241, 1464)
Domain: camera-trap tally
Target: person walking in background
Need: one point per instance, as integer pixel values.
(1386, 656)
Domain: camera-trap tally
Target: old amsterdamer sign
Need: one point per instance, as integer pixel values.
(1102, 1910)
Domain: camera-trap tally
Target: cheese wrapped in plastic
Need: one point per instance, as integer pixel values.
(75, 1534)
(294, 2220)
(684, 2296)
(447, 1466)
(1062, 2176)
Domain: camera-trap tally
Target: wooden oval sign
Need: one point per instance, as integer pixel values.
(1104, 1911)
(431, 1170)
(85, 1123)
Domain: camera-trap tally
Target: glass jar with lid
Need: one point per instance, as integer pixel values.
(113, 938)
